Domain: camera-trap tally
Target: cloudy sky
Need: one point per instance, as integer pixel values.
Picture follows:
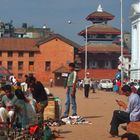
(56, 14)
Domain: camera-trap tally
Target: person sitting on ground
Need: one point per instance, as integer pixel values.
(129, 136)
(131, 113)
(7, 110)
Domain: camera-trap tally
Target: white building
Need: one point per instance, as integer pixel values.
(135, 41)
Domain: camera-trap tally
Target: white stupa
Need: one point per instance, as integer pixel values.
(99, 9)
(135, 41)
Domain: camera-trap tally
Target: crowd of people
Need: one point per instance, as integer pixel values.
(20, 103)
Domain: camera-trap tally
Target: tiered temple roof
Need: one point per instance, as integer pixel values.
(100, 16)
(101, 29)
(99, 19)
(103, 54)
(103, 48)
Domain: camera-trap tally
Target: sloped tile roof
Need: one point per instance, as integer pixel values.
(104, 48)
(61, 69)
(103, 15)
(98, 74)
(18, 44)
(53, 36)
(27, 44)
(101, 29)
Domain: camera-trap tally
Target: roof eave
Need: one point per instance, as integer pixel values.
(97, 17)
(82, 33)
(53, 36)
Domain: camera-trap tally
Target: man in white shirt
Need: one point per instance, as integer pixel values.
(87, 82)
(131, 113)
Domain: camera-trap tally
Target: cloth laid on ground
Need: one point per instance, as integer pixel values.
(75, 120)
(54, 122)
(69, 120)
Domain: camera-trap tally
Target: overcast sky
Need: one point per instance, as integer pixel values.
(56, 14)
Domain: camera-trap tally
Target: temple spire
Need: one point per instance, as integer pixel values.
(100, 9)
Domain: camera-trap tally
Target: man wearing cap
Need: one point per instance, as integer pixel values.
(71, 92)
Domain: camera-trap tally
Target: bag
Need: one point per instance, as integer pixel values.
(47, 133)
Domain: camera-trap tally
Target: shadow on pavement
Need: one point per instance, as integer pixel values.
(87, 117)
(93, 98)
(65, 132)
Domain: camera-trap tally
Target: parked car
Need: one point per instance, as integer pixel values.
(106, 84)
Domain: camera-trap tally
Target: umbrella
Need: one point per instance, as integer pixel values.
(4, 71)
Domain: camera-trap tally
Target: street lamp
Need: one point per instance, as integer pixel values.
(121, 42)
(86, 44)
(86, 41)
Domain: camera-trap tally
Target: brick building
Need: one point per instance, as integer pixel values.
(41, 57)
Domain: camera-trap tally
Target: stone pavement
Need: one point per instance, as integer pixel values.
(97, 109)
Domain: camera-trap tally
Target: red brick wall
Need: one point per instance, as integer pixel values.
(55, 51)
(15, 60)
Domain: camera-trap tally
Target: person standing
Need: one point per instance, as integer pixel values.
(40, 95)
(93, 85)
(87, 82)
(51, 82)
(71, 92)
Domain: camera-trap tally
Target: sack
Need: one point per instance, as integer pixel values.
(47, 133)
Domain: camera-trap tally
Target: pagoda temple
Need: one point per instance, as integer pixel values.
(102, 53)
